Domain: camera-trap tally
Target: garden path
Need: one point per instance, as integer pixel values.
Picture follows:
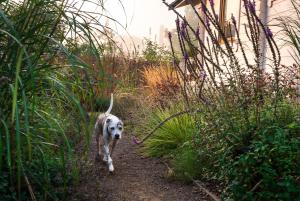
(136, 178)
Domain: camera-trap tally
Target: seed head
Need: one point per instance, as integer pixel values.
(251, 6)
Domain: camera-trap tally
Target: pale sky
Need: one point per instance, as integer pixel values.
(141, 16)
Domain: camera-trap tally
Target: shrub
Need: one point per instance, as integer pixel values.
(186, 162)
(269, 167)
(155, 54)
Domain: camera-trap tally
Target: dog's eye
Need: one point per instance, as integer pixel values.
(120, 128)
(112, 128)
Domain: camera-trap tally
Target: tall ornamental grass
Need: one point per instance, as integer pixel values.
(170, 137)
(41, 83)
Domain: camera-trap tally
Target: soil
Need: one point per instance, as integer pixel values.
(136, 178)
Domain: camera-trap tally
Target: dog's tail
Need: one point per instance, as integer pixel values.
(111, 105)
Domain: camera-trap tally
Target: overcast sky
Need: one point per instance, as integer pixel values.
(142, 15)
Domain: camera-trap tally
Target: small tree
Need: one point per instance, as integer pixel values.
(153, 53)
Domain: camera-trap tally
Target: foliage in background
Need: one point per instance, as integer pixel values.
(42, 86)
(155, 54)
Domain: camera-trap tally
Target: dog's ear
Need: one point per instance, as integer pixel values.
(108, 120)
(120, 124)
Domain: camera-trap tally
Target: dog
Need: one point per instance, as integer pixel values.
(108, 130)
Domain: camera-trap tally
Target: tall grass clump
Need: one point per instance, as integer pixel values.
(42, 84)
(173, 135)
(161, 83)
(247, 133)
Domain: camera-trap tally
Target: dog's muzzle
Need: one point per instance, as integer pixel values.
(117, 136)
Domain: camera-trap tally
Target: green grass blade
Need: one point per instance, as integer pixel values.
(1, 151)
(28, 134)
(15, 89)
(8, 152)
(19, 158)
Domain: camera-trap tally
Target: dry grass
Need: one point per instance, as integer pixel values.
(161, 82)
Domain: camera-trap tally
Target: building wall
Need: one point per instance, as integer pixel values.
(276, 10)
(279, 8)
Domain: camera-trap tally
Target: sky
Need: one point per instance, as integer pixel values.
(141, 16)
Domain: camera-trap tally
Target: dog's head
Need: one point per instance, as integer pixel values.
(114, 127)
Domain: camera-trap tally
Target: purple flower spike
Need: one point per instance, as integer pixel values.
(269, 33)
(251, 6)
(170, 35)
(183, 25)
(212, 3)
(197, 31)
(233, 19)
(207, 23)
(203, 75)
(186, 56)
(204, 9)
(182, 33)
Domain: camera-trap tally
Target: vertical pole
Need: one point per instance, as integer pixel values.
(263, 15)
(201, 27)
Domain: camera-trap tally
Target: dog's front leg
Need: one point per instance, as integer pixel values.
(107, 157)
(98, 150)
(97, 136)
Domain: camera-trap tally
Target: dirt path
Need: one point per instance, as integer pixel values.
(136, 178)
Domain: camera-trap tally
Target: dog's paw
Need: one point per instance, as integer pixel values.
(105, 159)
(111, 168)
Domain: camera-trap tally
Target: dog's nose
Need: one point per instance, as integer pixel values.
(117, 136)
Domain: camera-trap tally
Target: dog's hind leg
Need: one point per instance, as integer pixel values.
(99, 146)
(98, 141)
